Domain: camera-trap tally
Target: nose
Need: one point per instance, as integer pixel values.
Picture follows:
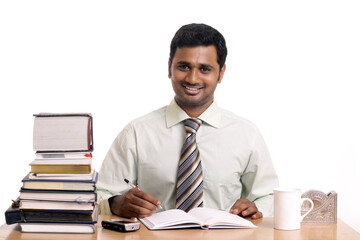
(192, 76)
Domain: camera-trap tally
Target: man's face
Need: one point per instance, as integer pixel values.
(195, 73)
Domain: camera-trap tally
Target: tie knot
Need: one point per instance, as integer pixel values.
(192, 124)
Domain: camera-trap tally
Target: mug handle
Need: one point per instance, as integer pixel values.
(312, 206)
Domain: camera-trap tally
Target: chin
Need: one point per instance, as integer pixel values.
(194, 103)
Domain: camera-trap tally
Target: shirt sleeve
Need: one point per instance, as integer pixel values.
(260, 178)
(119, 163)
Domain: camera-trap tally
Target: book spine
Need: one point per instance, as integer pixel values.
(14, 215)
(88, 133)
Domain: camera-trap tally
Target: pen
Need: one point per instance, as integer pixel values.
(136, 187)
(131, 184)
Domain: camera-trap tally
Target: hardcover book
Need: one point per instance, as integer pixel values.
(60, 184)
(58, 195)
(63, 132)
(56, 205)
(57, 228)
(17, 215)
(61, 166)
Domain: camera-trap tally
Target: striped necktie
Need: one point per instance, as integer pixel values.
(189, 188)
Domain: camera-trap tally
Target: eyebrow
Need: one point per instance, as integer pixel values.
(182, 63)
(201, 65)
(207, 66)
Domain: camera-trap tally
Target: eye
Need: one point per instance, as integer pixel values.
(183, 67)
(205, 69)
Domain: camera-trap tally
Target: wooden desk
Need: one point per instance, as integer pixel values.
(265, 231)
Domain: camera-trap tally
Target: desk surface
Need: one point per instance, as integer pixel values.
(265, 231)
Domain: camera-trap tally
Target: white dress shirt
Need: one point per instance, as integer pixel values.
(235, 160)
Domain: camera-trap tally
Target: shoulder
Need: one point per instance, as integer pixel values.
(147, 122)
(230, 119)
(150, 119)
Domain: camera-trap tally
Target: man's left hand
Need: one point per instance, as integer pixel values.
(245, 208)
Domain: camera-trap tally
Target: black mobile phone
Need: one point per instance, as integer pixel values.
(120, 225)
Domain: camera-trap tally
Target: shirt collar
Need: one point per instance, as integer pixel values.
(175, 114)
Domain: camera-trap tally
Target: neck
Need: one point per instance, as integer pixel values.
(193, 110)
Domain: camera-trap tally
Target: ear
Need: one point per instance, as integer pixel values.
(221, 74)
(169, 68)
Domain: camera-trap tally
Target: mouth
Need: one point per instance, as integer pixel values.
(192, 90)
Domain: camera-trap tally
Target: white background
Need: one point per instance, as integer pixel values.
(292, 69)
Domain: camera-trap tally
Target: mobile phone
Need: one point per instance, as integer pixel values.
(120, 225)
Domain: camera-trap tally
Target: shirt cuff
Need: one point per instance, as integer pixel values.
(104, 206)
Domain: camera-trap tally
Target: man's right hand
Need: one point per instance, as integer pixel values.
(134, 203)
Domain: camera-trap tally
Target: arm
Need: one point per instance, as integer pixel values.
(258, 181)
(114, 195)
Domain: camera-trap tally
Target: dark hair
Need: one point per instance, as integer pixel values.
(193, 35)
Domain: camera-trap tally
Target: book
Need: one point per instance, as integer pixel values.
(62, 132)
(86, 161)
(60, 184)
(61, 176)
(61, 166)
(63, 196)
(63, 155)
(57, 228)
(16, 215)
(59, 194)
(56, 205)
(197, 217)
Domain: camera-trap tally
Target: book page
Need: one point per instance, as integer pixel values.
(85, 161)
(58, 133)
(221, 219)
(170, 219)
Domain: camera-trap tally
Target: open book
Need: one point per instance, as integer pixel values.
(197, 217)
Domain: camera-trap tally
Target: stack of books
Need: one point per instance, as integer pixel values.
(59, 193)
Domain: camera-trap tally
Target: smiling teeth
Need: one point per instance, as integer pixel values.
(194, 89)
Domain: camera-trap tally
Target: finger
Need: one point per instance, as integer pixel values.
(138, 211)
(257, 215)
(148, 198)
(252, 209)
(139, 205)
(135, 211)
(136, 203)
(240, 205)
(133, 206)
(246, 208)
(140, 202)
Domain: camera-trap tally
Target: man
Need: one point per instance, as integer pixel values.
(233, 169)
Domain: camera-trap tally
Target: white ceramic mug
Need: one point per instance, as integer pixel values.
(287, 208)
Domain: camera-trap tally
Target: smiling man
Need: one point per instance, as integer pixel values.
(195, 73)
(190, 153)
